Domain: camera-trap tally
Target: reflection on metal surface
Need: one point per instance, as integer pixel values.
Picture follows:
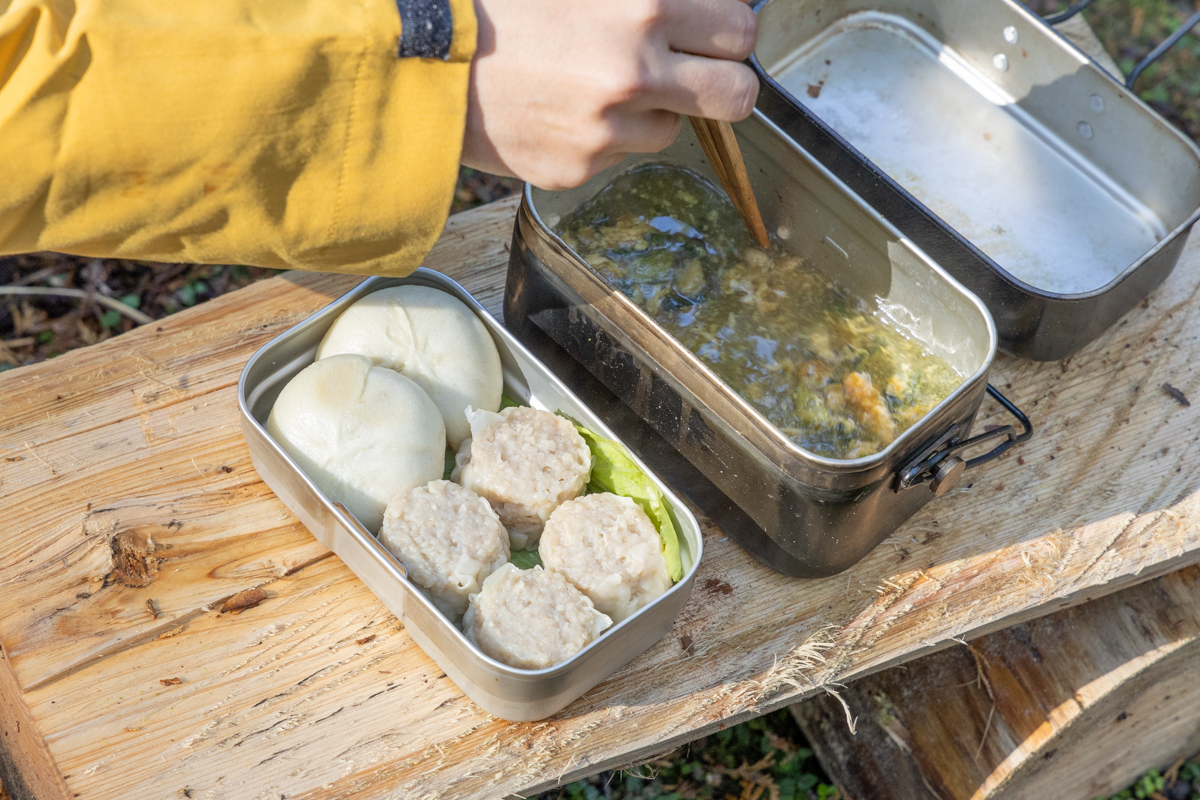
(914, 107)
(989, 171)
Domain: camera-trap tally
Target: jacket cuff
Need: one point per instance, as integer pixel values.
(403, 149)
(426, 29)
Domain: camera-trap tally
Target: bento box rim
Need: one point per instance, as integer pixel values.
(846, 465)
(443, 282)
(1063, 43)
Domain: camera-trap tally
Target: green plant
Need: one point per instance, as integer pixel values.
(760, 759)
(1154, 784)
(1129, 30)
(187, 293)
(1150, 783)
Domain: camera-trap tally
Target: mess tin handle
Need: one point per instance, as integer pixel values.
(940, 464)
(1151, 57)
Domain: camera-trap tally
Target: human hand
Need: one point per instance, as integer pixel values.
(561, 89)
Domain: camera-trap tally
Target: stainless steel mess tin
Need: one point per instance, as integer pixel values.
(1016, 162)
(507, 692)
(812, 515)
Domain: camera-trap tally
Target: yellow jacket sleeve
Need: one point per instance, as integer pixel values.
(278, 133)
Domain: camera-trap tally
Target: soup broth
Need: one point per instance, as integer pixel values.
(825, 367)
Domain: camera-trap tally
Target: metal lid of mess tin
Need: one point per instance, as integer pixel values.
(1015, 161)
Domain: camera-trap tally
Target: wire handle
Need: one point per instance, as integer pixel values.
(940, 464)
(1151, 57)
(1163, 47)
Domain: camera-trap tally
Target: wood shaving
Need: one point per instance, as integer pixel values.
(243, 600)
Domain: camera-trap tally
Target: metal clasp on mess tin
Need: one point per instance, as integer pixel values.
(940, 464)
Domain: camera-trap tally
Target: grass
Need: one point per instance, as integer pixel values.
(766, 758)
(1130, 29)
(1180, 782)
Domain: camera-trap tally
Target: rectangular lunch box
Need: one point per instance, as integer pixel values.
(812, 515)
(1016, 162)
(507, 692)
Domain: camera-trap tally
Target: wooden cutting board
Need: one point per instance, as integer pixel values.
(132, 517)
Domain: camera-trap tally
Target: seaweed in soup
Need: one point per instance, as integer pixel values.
(825, 367)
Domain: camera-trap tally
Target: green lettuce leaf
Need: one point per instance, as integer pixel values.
(525, 559)
(615, 471)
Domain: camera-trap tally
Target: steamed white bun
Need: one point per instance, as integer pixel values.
(361, 433)
(431, 337)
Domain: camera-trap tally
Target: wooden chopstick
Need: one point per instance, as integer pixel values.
(721, 148)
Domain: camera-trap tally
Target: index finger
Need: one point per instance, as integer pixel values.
(725, 29)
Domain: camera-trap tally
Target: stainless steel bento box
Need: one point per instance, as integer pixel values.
(1016, 162)
(507, 692)
(814, 515)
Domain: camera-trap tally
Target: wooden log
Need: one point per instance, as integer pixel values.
(1072, 706)
(132, 513)
(26, 763)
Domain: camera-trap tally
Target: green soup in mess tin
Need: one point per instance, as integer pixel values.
(825, 367)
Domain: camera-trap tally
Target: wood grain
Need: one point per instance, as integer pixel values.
(724, 155)
(26, 763)
(1072, 706)
(132, 514)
